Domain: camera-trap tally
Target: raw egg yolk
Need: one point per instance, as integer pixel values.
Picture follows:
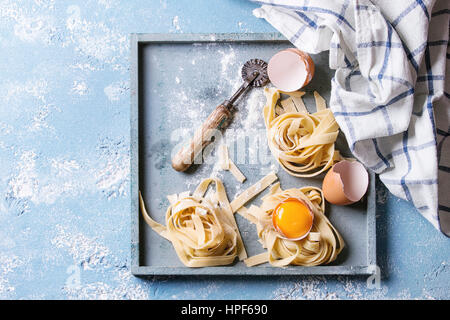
(292, 218)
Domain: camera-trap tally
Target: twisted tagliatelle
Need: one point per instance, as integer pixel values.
(201, 228)
(321, 246)
(303, 143)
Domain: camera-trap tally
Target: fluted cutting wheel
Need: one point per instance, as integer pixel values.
(256, 65)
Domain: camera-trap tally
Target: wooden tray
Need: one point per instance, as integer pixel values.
(176, 81)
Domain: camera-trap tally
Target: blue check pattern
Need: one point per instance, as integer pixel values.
(389, 93)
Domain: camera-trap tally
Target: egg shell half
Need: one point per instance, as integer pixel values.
(309, 63)
(290, 70)
(345, 183)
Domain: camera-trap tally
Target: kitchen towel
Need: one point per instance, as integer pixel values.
(389, 93)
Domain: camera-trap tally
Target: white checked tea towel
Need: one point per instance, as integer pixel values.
(389, 93)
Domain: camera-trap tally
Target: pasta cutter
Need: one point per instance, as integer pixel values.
(254, 74)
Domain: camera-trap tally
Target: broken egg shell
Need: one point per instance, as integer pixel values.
(290, 69)
(345, 183)
(310, 67)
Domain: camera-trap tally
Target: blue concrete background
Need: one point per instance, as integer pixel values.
(64, 160)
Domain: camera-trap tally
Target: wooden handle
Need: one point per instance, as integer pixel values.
(217, 120)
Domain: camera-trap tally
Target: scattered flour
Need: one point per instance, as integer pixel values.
(108, 4)
(113, 176)
(253, 106)
(95, 39)
(116, 91)
(103, 291)
(83, 67)
(205, 171)
(311, 288)
(64, 168)
(318, 288)
(27, 185)
(39, 121)
(382, 195)
(79, 88)
(228, 59)
(39, 180)
(176, 23)
(35, 29)
(89, 254)
(24, 183)
(194, 107)
(86, 252)
(7, 266)
(13, 90)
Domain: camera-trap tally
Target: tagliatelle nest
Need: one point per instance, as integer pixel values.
(322, 245)
(202, 230)
(302, 142)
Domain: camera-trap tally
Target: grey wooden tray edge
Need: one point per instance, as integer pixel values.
(136, 268)
(134, 150)
(261, 271)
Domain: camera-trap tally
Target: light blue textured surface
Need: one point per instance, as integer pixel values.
(64, 159)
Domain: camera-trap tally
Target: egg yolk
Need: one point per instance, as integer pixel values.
(292, 218)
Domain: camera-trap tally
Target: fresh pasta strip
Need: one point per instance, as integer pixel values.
(223, 157)
(243, 212)
(253, 191)
(236, 172)
(294, 103)
(228, 164)
(202, 229)
(302, 142)
(321, 246)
